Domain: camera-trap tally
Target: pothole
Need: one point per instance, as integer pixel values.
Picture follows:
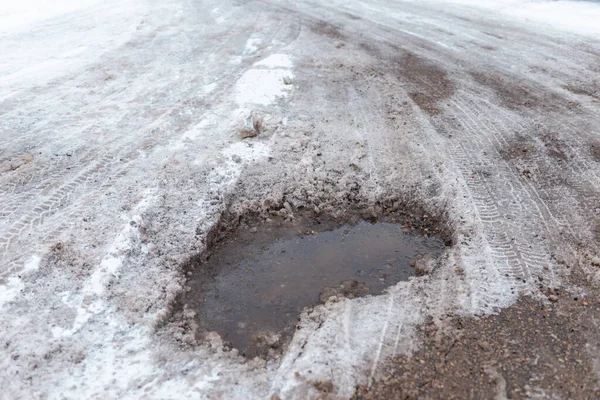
(253, 285)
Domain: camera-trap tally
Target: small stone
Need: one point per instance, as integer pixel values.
(596, 261)
(251, 126)
(483, 345)
(253, 230)
(287, 80)
(553, 298)
(585, 304)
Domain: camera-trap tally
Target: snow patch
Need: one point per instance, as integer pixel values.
(263, 86)
(10, 290)
(235, 156)
(209, 88)
(18, 13)
(276, 61)
(251, 45)
(14, 285)
(246, 151)
(33, 264)
(576, 16)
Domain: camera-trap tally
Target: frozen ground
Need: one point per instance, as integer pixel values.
(119, 152)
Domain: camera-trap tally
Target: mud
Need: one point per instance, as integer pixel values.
(431, 83)
(595, 151)
(517, 95)
(327, 29)
(590, 90)
(485, 357)
(255, 282)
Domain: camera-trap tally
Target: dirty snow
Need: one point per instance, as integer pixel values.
(120, 153)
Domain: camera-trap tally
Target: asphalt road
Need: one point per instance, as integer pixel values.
(121, 159)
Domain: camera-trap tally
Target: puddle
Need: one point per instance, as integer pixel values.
(252, 288)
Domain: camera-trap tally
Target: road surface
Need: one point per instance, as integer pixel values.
(121, 156)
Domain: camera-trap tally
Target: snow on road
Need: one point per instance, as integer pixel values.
(17, 15)
(570, 15)
(120, 152)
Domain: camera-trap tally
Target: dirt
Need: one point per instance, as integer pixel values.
(328, 29)
(517, 96)
(595, 150)
(591, 89)
(533, 349)
(431, 82)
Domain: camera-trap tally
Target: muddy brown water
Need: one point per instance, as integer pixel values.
(255, 287)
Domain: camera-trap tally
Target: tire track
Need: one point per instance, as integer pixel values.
(101, 175)
(576, 169)
(519, 268)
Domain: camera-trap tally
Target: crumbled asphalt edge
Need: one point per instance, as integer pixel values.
(410, 214)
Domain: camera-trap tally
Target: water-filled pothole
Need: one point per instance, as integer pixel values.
(254, 285)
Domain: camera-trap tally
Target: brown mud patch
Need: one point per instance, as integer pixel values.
(429, 83)
(520, 147)
(518, 96)
(324, 28)
(595, 151)
(536, 143)
(589, 90)
(539, 156)
(596, 229)
(531, 349)
(553, 146)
